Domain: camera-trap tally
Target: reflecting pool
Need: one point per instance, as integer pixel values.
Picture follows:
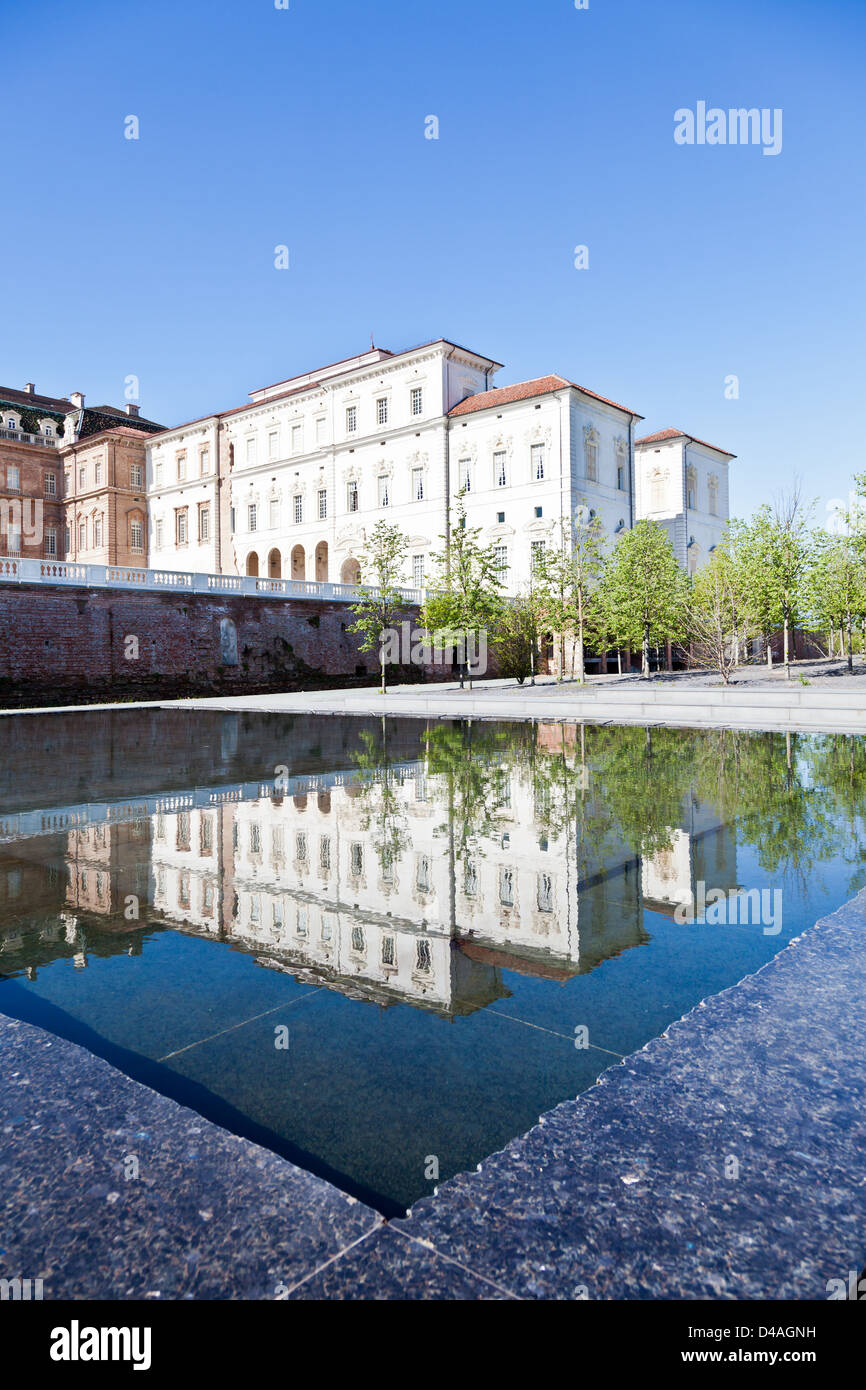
(384, 947)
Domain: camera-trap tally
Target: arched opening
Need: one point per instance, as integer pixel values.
(275, 565)
(322, 562)
(351, 572)
(299, 563)
(253, 565)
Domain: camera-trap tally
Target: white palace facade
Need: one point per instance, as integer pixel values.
(291, 484)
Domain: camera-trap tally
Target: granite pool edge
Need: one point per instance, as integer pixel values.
(600, 1199)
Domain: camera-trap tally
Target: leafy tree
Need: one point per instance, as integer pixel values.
(836, 584)
(774, 549)
(644, 593)
(464, 598)
(515, 637)
(718, 618)
(568, 579)
(380, 608)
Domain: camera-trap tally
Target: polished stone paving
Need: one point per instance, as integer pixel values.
(724, 1160)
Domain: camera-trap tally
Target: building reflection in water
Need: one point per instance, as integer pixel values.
(359, 880)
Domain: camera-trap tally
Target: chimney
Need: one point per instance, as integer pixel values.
(133, 410)
(30, 388)
(77, 399)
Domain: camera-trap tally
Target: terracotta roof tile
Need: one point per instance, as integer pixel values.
(525, 390)
(661, 436)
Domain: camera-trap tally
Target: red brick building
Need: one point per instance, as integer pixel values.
(72, 479)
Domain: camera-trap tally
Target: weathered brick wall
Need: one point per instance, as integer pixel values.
(115, 643)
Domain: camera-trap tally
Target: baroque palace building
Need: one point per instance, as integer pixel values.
(72, 479)
(292, 484)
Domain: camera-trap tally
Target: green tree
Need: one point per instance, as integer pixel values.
(835, 583)
(382, 603)
(515, 637)
(464, 598)
(718, 616)
(568, 580)
(644, 593)
(774, 549)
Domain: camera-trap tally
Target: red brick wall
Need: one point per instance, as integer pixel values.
(73, 642)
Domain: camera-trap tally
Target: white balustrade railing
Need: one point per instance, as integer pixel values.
(14, 570)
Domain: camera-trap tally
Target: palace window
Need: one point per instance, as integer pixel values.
(592, 461)
(323, 504)
(422, 874)
(204, 461)
(320, 430)
(180, 523)
(384, 490)
(418, 571)
(204, 523)
(50, 484)
(298, 505)
(157, 472)
(274, 512)
(500, 469)
(466, 475)
(537, 452)
(135, 475)
(97, 532)
(136, 536)
(181, 468)
(382, 410)
(82, 535)
(417, 400)
(158, 530)
(98, 471)
(620, 477)
(536, 554)
(351, 419)
(352, 497)
(50, 541)
(500, 555)
(251, 450)
(506, 887)
(273, 444)
(417, 484)
(252, 516)
(544, 893)
(297, 439)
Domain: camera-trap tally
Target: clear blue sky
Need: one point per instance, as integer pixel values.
(306, 127)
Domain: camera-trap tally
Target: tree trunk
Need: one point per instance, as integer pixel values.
(644, 654)
(581, 665)
(619, 660)
(769, 642)
(787, 648)
(848, 634)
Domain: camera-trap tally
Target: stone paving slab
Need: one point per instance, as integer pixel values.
(210, 1215)
(629, 1191)
(390, 1265)
(623, 1193)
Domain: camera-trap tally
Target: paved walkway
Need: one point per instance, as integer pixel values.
(814, 701)
(724, 1160)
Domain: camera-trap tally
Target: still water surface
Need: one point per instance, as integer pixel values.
(383, 948)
